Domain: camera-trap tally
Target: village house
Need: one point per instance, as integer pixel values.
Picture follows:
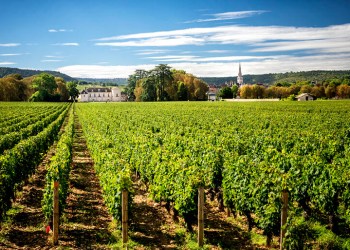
(212, 92)
(305, 97)
(101, 95)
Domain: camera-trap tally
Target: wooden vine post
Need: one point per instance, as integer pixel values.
(200, 216)
(125, 216)
(284, 214)
(56, 214)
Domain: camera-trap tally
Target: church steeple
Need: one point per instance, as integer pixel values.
(240, 76)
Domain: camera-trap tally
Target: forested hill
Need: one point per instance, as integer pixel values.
(289, 77)
(109, 82)
(4, 71)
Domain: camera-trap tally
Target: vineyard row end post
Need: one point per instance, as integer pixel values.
(200, 216)
(125, 216)
(284, 214)
(56, 214)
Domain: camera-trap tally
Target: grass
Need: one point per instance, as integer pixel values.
(257, 239)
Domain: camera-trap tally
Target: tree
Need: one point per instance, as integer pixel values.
(182, 92)
(330, 91)
(162, 76)
(73, 90)
(132, 83)
(61, 93)
(45, 85)
(226, 93)
(149, 93)
(343, 91)
(305, 89)
(257, 91)
(163, 83)
(246, 92)
(234, 90)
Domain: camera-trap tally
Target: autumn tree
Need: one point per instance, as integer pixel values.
(61, 94)
(182, 92)
(132, 83)
(163, 83)
(330, 91)
(12, 88)
(343, 91)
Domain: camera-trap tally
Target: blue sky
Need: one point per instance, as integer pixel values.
(112, 38)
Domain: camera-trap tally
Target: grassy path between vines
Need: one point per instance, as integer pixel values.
(86, 219)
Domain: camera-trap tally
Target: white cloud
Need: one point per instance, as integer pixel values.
(51, 60)
(66, 44)
(59, 30)
(9, 44)
(10, 54)
(229, 16)
(157, 42)
(173, 58)
(189, 58)
(50, 56)
(326, 45)
(327, 39)
(217, 51)
(151, 52)
(278, 64)
(7, 63)
(100, 71)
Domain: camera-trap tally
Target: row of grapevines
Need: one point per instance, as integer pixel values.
(20, 162)
(248, 152)
(9, 140)
(112, 170)
(305, 152)
(5, 129)
(14, 116)
(152, 143)
(15, 112)
(59, 169)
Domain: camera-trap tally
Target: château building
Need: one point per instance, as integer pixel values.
(101, 95)
(240, 76)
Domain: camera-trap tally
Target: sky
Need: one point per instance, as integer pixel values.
(113, 38)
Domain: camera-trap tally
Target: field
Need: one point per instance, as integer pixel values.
(243, 154)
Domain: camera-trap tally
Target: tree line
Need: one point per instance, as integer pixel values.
(43, 87)
(316, 76)
(165, 84)
(333, 89)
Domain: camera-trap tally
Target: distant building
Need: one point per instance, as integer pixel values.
(240, 76)
(212, 92)
(101, 95)
(305, 97)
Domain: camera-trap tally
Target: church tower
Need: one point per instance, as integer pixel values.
(240, 76)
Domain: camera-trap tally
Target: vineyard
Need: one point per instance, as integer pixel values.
(244, 155)
(27, 133)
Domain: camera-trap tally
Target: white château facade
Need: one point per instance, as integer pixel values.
(101, 95)
(240, 76)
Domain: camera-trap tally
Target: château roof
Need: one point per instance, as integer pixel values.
(97, 90)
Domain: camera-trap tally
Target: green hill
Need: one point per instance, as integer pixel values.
(318, 76)
(4, 71)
